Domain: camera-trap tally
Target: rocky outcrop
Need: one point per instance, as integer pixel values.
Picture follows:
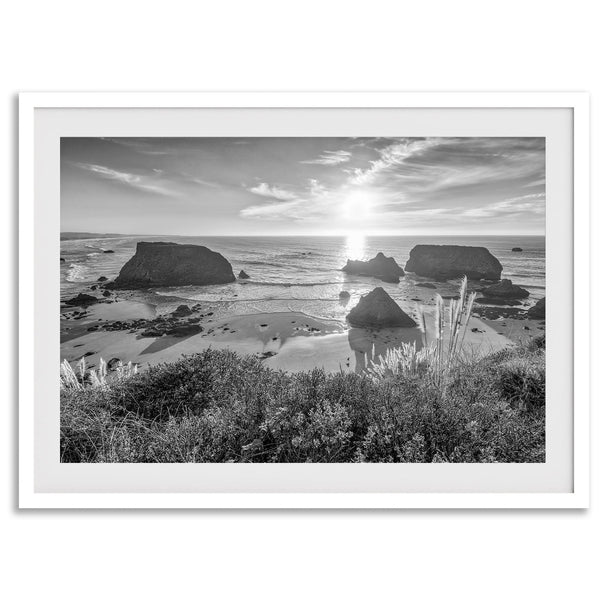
(159, 264)
(517, 250)
(243, 275)
(108, 251)
(448, 262)
(538, 311)
(378, 309)
(182, 311)
(381, 267)
(344, 295)
(102, 278)
(505, 290)
(82, 300)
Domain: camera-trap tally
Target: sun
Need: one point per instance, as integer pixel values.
(357, 206)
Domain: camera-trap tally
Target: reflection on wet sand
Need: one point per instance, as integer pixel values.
(369, 345)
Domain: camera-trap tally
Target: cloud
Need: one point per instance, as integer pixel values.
(330, 157)
(145, 183)
(272, 191)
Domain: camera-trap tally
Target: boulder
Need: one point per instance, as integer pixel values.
(108, 251)
(243, 275)
(62, 260)
(378, 309)
(182, 311)
(538, 311)
(159, 264)
(344, 295)
(102, 278)
(82, 300)
(447, 262)
(505, 290)
(517, 250)
(382, 267)
(106, 293)
(113, 363)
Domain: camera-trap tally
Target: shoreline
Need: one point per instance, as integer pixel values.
(290, 340)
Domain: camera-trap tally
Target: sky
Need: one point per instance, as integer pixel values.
(303, 186)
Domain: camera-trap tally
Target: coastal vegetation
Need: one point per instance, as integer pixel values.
(436, 404)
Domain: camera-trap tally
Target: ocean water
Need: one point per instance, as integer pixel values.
(300, 273)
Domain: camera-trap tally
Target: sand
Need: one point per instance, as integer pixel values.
(292, 341)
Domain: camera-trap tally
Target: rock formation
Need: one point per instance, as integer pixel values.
(243, 275)
(344, 295)
(517, 250)
(447, 262)
(157, 264)
(382, 267)
(378, 309)
(538, 311)
(82, 300)
(505, 290)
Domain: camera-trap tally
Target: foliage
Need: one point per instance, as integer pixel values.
(220, 407)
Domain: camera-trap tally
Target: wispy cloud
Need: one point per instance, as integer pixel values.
(146, 183)
(272, 191)
(329, 157)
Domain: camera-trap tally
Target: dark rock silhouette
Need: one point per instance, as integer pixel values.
(505, 290)
(102, 278)
(243, 275)
(108, 251)
(378, 309)
(447, 262)
(517, 250)
(157, 264)
(82, 300)
(382, 267)
(182, 311)
(62, 260)
(538, 311)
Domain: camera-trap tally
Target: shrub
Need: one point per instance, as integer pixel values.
(219, 407)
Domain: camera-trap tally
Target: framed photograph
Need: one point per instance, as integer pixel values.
(304, 300)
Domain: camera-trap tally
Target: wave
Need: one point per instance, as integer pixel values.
(77, 273)
(286, 284)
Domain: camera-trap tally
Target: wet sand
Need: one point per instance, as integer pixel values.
(291, 341)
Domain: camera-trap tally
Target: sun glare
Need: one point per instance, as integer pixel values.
(355, 246)
(357, 206)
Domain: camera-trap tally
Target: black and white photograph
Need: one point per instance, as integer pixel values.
(302, 299)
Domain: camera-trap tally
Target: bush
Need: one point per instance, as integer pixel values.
(219, 407)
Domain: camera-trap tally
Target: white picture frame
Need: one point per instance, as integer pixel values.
(31, 377)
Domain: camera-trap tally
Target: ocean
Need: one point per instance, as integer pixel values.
(299, 273)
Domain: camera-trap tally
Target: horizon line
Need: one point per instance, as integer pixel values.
(525, 234)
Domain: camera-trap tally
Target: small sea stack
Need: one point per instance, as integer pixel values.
(377, 309)
(447, 262)
(381, 267)
(505, 290)
(538, 311)
(160, 264)
(243, 275)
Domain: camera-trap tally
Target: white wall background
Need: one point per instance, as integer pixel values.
(273, 45)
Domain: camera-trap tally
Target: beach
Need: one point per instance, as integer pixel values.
(292, 341)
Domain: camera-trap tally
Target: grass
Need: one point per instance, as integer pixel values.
(431, 405)
(218, 406)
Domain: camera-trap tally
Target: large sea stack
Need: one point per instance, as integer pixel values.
(448, 262)
(159, 264)
(378, 309)
(381, 267)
